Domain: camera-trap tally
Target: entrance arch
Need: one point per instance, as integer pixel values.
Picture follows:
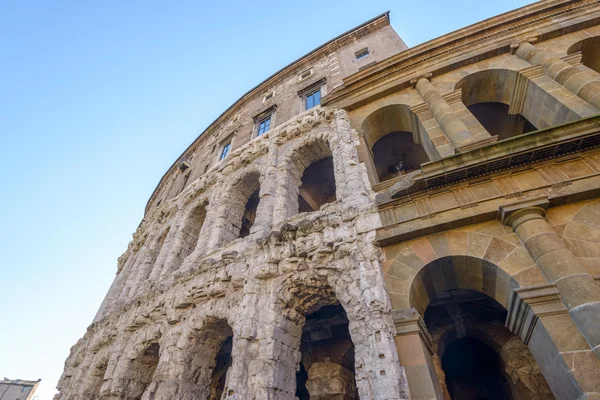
(463, 303)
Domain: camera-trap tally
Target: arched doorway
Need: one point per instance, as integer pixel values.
(476, 356)
(394, 138)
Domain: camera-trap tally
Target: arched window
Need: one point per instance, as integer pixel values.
(590, 52)
(311, 178)
(191, 230)
(397, 142)
(318, 185)
(242, 201)
(488, 95)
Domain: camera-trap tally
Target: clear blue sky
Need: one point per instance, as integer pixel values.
(97, 99)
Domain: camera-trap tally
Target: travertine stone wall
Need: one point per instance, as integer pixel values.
(262, 286)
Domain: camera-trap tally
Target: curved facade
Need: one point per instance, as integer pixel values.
(376, 222)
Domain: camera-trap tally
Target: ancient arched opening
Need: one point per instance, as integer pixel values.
(396, 154)
(318, 186)
(141, 372)
(191, 230)
(249, 213)
(311, 178)
(590, 52)
(477, 357)
(326, 370)
(488, 95)
(207, 359)
(397, 142)
(241, 205)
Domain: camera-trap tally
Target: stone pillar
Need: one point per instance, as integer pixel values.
(327, 381)
(579, 291)
(415, 354)
(539, 318)
(453, 127)
(585, 84)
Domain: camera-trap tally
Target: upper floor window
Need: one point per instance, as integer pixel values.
(313, 99)
(362, 53)
(225, 150)
(264, 125)
(305, 74)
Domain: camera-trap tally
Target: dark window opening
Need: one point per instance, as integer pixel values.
(396, 154)
(326, 369)
(362, 53)
(264, 126)
(495, 119)
(318, 186)
(313, 99)
(249, 213)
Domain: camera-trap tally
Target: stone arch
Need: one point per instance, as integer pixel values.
(590, 52)
(490, 97)
(397, 141)
(205, 349)
(240, 207)
(187, 239)
(310, 177)
(460, 272)
(459, 299)
(377, 372)
(503, 94)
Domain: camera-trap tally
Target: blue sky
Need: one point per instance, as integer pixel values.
(97, 99)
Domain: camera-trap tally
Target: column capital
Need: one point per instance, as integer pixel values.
(427, 76)
(515, 214)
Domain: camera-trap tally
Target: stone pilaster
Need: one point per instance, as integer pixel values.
(453, 127)
(415, 354)
(585, 84)
(539, 318)
(579, 291)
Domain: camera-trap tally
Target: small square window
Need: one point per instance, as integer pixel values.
(362, 53)
(225, 151)
(268, 96)
(305, 74)
(264, 125)
(313, 99)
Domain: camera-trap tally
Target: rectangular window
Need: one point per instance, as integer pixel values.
(264, 125)
(313, 99)
(362, 53)
(225, 150)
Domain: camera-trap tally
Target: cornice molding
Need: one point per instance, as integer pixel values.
(494, 35)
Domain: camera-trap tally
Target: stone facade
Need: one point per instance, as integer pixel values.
(430, 231)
